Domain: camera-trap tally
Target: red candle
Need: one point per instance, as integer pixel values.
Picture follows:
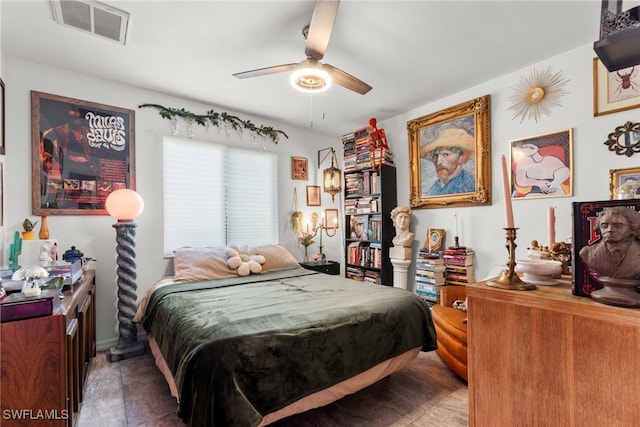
(551, 214)
(508, 209)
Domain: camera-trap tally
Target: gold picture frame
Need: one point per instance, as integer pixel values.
(313, 195)
(300, 168)
(331, 218)
(615, 91)
(617, 177)
(467, 127)
(553, 150)
(434, 239)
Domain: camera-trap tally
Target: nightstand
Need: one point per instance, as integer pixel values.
(328, 267)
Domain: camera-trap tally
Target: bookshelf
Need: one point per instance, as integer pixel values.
(369, 197)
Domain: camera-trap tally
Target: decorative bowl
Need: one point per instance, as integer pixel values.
(539, 271)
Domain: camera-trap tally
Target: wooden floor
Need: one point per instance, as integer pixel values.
(426, 393)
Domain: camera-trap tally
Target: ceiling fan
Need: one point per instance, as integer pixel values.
(311, 75)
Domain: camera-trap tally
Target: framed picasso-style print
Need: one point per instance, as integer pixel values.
(450, 156)
(542, 165)
(80, 152)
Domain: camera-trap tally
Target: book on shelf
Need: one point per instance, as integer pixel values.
(458, 260)
(430, 273)
(429, 293)
(421, 280)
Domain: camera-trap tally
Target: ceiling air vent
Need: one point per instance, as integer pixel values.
(93, 17)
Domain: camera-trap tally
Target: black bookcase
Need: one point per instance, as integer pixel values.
(369, 198)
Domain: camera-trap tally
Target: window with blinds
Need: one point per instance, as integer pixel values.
(217, 195)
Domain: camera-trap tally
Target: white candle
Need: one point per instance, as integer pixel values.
(455, 215)
(551, 214)
(508, 209)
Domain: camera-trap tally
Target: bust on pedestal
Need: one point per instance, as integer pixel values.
(400, 253)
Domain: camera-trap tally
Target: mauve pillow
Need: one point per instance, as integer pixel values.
(210, 262)
(203, 263)
(277, 257)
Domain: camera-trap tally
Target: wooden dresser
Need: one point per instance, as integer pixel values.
(548, 358)
(45, 361)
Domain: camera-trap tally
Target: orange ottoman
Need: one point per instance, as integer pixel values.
(451, 334)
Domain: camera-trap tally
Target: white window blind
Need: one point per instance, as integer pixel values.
(217, 195)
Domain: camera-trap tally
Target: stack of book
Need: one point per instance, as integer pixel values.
(459, 266)
(349, 146)
(430, 274)
(360, 151)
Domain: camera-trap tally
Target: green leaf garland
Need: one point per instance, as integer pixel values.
(216, 118)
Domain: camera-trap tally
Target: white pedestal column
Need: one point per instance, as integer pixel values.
(400, 267)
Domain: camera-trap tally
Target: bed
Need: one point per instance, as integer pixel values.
(247, 351)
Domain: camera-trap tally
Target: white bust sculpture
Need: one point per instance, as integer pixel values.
(45, 254)
(401, 217)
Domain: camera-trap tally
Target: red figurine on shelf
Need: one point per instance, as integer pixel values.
(379, 141)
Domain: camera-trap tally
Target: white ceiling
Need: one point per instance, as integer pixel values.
(411, 52)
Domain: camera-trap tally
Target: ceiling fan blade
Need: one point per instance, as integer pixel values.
(268, 70)
(320, 27)
(346, 80)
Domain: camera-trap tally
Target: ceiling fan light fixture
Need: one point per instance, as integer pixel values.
(310, 80)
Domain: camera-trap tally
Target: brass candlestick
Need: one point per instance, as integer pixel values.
(509, 279)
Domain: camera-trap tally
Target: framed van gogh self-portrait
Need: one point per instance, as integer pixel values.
(450, 156)
(542, 165)
(615, 91)
(80, 152)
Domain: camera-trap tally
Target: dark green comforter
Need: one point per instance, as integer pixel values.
(240, 348)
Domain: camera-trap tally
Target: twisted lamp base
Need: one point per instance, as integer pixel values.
(128, 344)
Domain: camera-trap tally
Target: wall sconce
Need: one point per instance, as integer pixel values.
(125, 205)
(332, 176)
(618, 46)
(315, 228)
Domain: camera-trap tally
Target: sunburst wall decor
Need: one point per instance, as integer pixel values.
(537, 94)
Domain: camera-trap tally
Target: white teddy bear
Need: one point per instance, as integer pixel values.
(245, 260)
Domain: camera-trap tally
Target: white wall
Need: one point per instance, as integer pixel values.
(481, 227)
(94, 235)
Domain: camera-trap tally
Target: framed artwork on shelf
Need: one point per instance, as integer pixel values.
(80, 152)
(313, 195)
(2, 118)
(620, 177)
(542, 165)
(616, 90)
(299, 168)
(434, 239)
(331, 218)
(450, 156)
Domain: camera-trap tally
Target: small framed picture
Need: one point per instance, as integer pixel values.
(615, 91)
(331, 218)
(299, 168)
(433, 240)
(619, 177)
(313, 195)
